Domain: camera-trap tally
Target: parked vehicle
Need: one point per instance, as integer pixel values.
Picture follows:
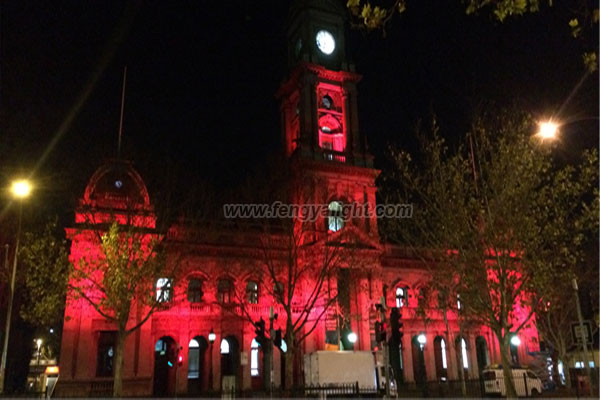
(526, 382)
(339, 368)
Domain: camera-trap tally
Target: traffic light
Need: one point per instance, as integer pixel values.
(380, 335)
(396, 324)
(277, 340)
(260, 331)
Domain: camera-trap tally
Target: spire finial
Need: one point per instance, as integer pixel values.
(122, 109)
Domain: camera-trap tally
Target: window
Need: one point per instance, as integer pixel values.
(278, 289)
(224, 346)
(458, 303)
(224, 291)
(163, 290)
(443, 348)
(252, 292)
(195, 292)
(106, 353)
(336, 219)
(465, 357)
(401, 297)
(194, 359)
(254, 358)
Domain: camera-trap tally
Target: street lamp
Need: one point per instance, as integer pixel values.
(422, 339)
(548, 130)
(38, 342)
(211, 339)
(352, 337)
(515, 341)
(20, 189)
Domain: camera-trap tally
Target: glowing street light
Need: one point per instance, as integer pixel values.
(21, 189)
(352, 337)
(515, 341)
(548, 130)
(422, 339)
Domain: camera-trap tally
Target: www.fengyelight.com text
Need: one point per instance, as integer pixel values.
(311, 212)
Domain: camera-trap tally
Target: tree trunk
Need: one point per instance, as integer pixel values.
(290, 341)
(566, 363)
(118, 379)
(289, 366)
(507, 370)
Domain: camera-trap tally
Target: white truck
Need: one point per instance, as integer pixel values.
(527, 384)
(350, 370)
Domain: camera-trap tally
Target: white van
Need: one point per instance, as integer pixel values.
(526, 382)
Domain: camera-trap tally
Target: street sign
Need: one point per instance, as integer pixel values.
(579, 335)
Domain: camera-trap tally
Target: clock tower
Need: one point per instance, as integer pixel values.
(318, 104)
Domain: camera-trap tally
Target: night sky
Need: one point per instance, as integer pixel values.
(202, 75)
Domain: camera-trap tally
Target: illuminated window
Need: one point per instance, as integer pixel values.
(336, 219)
(327, 102)
(195, 292)
(224, 346)
(163, 290)
(401, 296)
(444, 361)
(465, 357)
(254, 358)
(252, 292)
(283, 346)
(224, 291)
(458, 303)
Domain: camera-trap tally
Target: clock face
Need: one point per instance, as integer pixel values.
(325, 42)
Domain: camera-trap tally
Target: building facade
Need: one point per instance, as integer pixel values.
(220, 285)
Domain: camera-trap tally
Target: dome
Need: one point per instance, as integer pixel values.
(116, 184)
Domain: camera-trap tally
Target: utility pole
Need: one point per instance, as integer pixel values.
(270, 345)
(586, 361)
(384, 346)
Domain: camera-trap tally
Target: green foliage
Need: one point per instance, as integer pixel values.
(126, 269)
(506, 223)
(45, 261)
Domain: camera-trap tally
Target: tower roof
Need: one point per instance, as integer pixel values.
(117, 185)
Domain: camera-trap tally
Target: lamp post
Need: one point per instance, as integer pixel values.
(20, 189)
(352, 337)
(38, 342)
(586, 361)
(211, 339)
(422, 340)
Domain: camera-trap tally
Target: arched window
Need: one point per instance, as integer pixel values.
(195, 292)
(461, 346)
(336, 219)
(224, 291)
(465, 356)
(401, 296)
(278, 289)
(163, 290)
(224, 346)
(252, 292)
(441, 363)
(254, 371)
